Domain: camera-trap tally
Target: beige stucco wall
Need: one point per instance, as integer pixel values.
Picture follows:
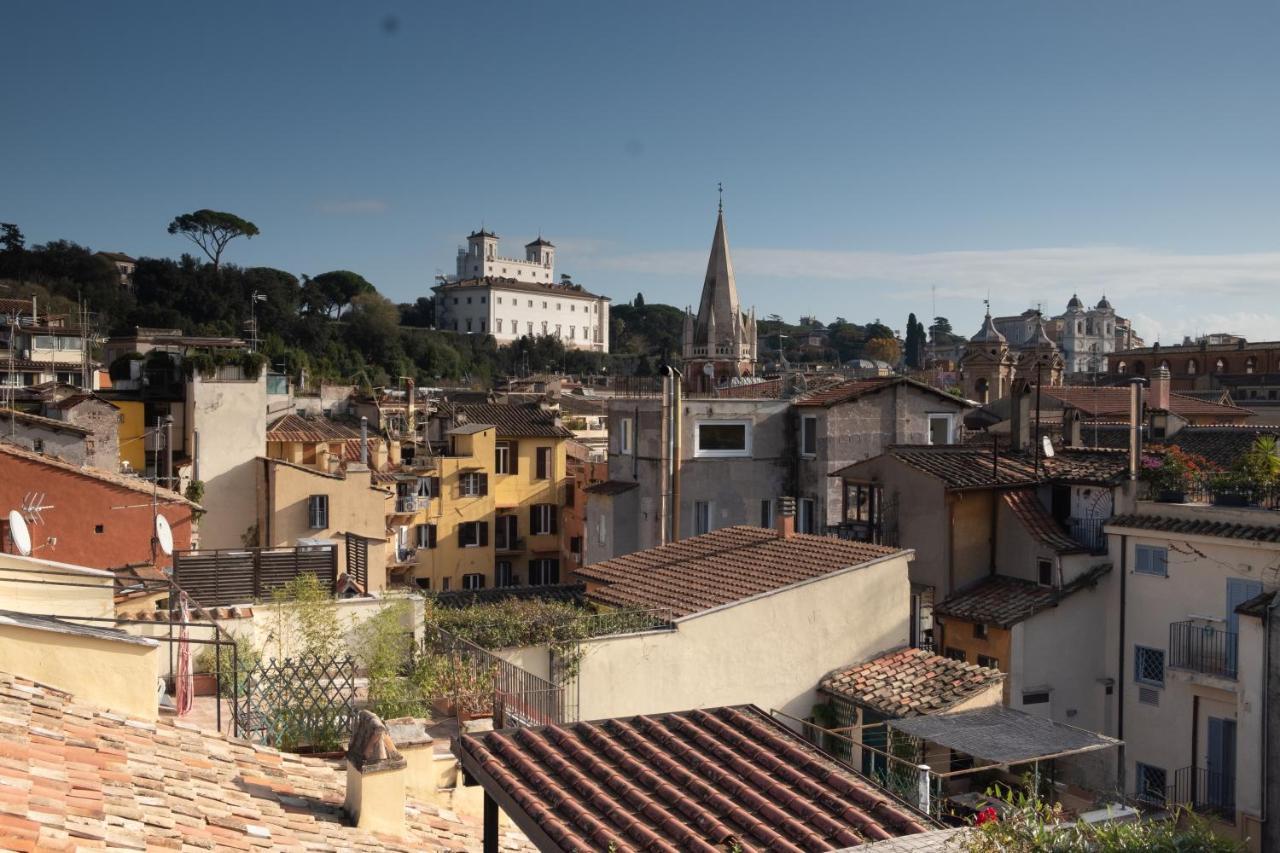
(111, 674)
(230, 419)
(771, 650)
(48, 588)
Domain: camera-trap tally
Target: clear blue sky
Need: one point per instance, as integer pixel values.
(871, 152)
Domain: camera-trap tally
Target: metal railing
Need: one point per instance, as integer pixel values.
(519, 696)
(856, 531)
(1219, 490)
(1201, 648)
(612, 623)
(1204, 791)
(1088, 532)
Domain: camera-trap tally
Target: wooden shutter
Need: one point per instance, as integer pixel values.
(554, 512)
(544, 463)
(435, 487)
(431, 536)
(484, 483)
(484, 532)
(515, 457)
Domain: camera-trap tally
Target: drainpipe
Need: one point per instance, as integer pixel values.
(675, 454)
(1120, 679)
(364, 440)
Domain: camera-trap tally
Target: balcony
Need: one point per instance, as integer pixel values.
(1205, 792)
(1200, 648)
(409, 504)
(856, 531)
(509, 545)
(1088, 532)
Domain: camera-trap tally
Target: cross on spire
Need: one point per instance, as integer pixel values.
(720, 187)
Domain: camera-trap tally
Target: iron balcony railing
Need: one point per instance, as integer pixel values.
(1201, 648)
(1088, 532)
(1204, 791)
(856, 531)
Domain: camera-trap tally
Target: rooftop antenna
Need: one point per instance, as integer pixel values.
(33, 507)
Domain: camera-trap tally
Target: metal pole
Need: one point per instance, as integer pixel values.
(168, 451)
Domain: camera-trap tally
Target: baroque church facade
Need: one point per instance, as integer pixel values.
(718, 345)
(990, 365)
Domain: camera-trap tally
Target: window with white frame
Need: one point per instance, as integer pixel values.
(542, 519)
(701, 517)
(503, 575)
(1151, 560)
(1148, 666)
(722, 438)
(503, 454)
(809, 435)
(543, 460)
(544, 572)
(473, 484)
(807, 520)
(942, 427)
(473, 534)
(318, 512)
(624, 435)
(426, 535)
(473, 580)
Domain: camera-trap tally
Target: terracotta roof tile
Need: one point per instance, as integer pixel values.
(704, 780)
(721, 567)
(1035, 518)
(294, 427)
(1114, 400)
(845, 392)
(72, 775)
(519, 420)
(1204, 526)
(966, 467)
(1005, 601)
(909, 682)
(124, 481)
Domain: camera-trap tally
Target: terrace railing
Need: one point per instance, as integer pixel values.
(1201, 648)
(1088, 532)
(520, 698)
(1204, 791)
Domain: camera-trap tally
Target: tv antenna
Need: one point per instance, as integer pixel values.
(33, 507)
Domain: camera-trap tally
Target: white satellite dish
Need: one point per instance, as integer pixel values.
(164, 534)
(708, 369)
(1048, 447)
(19, 533)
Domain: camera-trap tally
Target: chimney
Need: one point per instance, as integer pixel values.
(1135, 427)
(375, 778)
(1071, 427)
(786, 523)
(1020, 415)
(364, 440)
(1160, 389)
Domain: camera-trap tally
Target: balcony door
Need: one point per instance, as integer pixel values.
(1220, 784)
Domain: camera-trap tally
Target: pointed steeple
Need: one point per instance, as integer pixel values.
(719, 291)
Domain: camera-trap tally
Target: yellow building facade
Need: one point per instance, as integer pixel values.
(495, 517)
(133, 429)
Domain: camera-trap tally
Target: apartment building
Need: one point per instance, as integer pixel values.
(38, 347)
(1193, 582)
(489, 510)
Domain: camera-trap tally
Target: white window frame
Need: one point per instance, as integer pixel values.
(703, 511)
(318, 512)
(805, 450)
(473, 581)
(700, 453)
(502, 458)
(625, 444)
(1140, 650)
(949, 417)
(469, 486)
(542, 515)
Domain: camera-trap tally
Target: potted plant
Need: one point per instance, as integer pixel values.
(1231, 488)
(1257, 472)
(1169, 472)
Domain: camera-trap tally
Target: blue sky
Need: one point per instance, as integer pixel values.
(872, 153)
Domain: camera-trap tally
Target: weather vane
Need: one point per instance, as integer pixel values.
(720, 187)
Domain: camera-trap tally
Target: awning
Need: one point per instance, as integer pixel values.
(1003, 735)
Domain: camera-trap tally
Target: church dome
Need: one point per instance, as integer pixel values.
(988, 334)
(1104, 304)
(1075, 304)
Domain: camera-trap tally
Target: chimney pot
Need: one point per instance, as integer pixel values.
(375, 778)
(786, 523)
(1160, 390)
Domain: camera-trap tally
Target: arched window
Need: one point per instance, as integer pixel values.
(1192, 367)
(1220, 366)
(1122, 368)
(1250, 364)
(1140, 368)
(1079, 327)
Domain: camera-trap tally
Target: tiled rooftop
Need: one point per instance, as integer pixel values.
(966, 467)
(1005, 601)
(294, 427)
(548, 289)
(74, 777)
(721, 567)
(124, 481)
(908, 682)
(703, 780)
(1203, 527)
(517, 420)
(844, 392)
(1221, 444)
(1035, 518)
(28, 419)
(1114, 400)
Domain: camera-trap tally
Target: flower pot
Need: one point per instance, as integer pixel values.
(1231, 499)
(205, 684)
(1168, 496)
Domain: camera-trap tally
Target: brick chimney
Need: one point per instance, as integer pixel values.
(375, 778)
(1160, 389)
(786, 523)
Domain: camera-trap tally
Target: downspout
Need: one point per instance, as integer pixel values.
(951, 543)
(1120, 679)
(677, 381)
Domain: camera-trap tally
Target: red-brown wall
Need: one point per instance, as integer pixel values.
(79, 505)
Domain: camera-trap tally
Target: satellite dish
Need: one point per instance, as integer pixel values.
(164, 535)
(1048, 447)
(19, 533)
(708, 369)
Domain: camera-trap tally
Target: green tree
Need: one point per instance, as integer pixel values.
(886, 349)
(639, 301)
(941, 329)
(11, 238)
(212, 230)
(333, 291)
(914, 342)
(420, 313)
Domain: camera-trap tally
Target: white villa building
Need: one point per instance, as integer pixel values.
(509, 298)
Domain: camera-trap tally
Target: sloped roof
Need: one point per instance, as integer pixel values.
(42, 422)
(909, 682)
(575, 291)
(845, 392)
(74, 774)
(1026, 507)
(1003, 735)
(704, 780)
(1258, 605)
(294, 427)
(1005, 601)
(721, 567)
(1220, 444)
(611, 487)
(1114, 401)
(110, 478)
(1203, 526)
(517, 420)
(965, 467)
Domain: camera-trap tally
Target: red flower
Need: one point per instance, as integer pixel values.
(987, 815)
